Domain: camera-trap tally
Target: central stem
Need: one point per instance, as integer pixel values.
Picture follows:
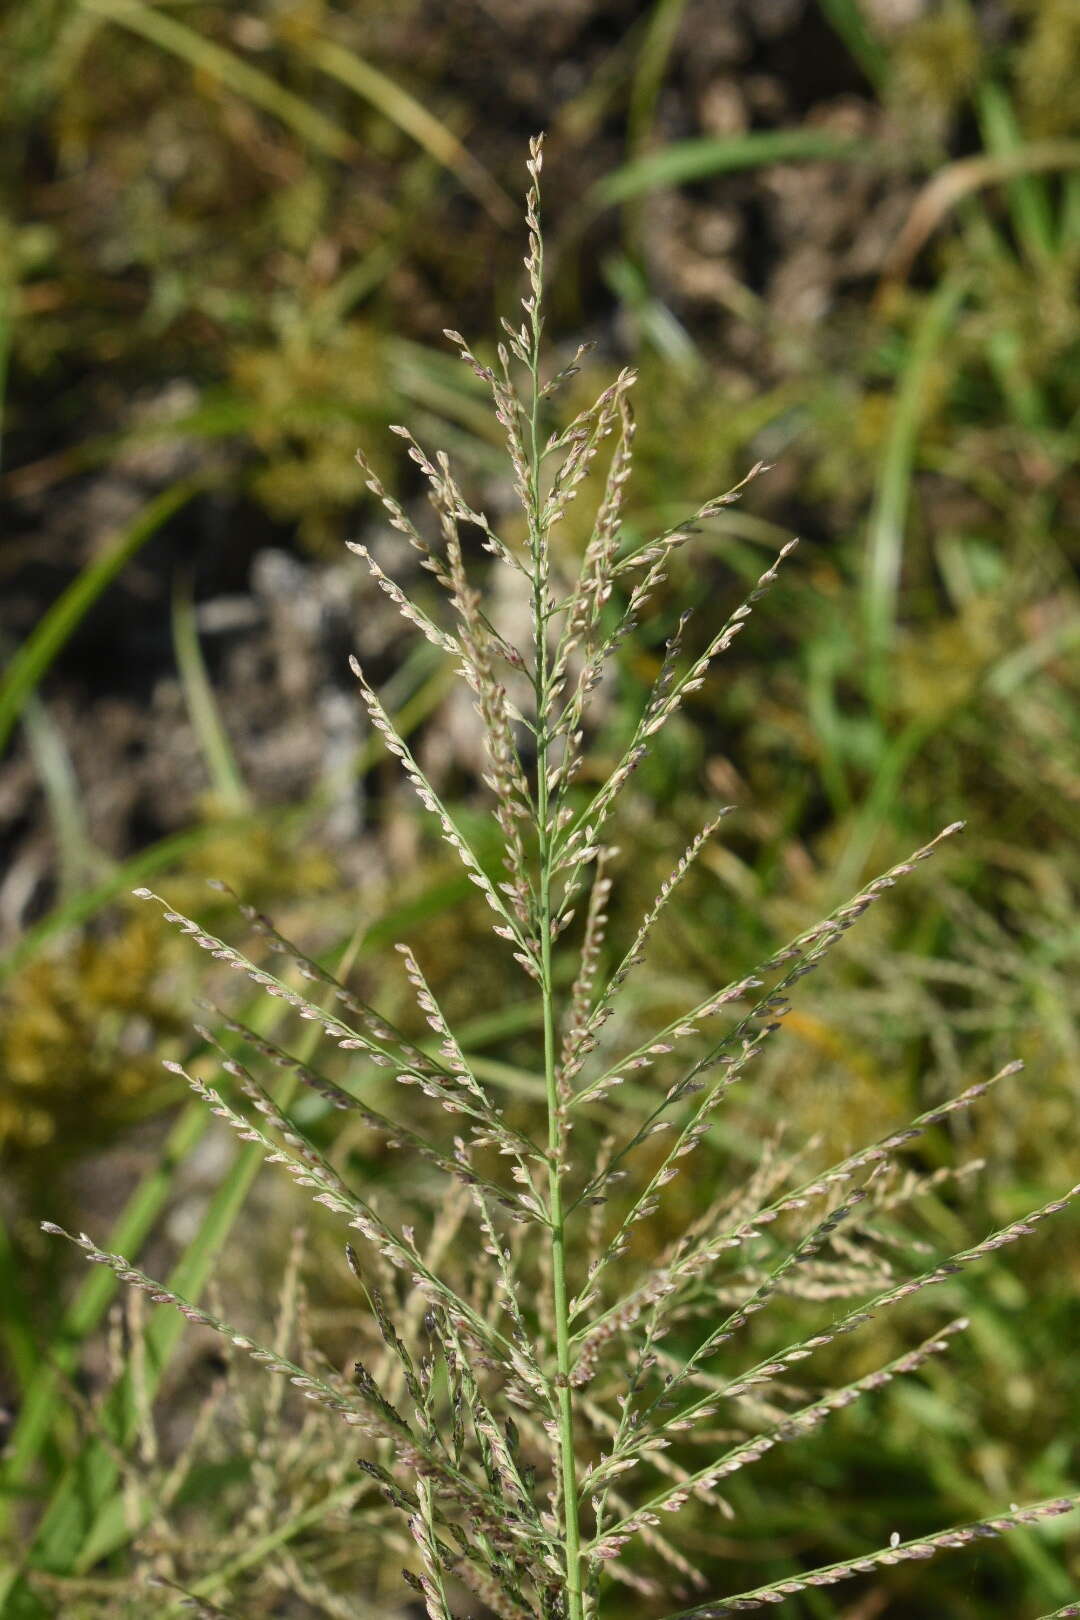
(556, 1213)
(560, 1297)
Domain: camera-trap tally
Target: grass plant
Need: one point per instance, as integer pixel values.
(555, 1374)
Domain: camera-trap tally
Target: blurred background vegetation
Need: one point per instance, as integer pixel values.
(842, 236)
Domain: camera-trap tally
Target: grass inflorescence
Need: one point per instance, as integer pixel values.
(547, 1392)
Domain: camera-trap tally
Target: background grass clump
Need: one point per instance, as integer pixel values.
(229, 243)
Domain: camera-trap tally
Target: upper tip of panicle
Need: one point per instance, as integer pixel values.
(217, 885)
(354, 665)
(52, 1229)
(143, 894)
(954, 827)
(173, 1068)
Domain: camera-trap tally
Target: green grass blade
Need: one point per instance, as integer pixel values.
(212, 59)
(1005, 343)
(218, 757)
(645, 89)
(649, 70)
(1029, 200)
(885, 534)
(655, 320)
(35, 656)
(880, 801)
(697, 159)
(412, 118)
(77, 859)
(847, 18)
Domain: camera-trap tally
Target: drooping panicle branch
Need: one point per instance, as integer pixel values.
(964, 1535)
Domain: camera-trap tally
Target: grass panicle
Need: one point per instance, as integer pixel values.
(536, 1388)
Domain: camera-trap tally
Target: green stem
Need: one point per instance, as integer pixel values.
(556, 1213)
(568, 1464)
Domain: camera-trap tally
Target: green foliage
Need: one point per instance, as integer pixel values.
(307, 396)
(62, 1070)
